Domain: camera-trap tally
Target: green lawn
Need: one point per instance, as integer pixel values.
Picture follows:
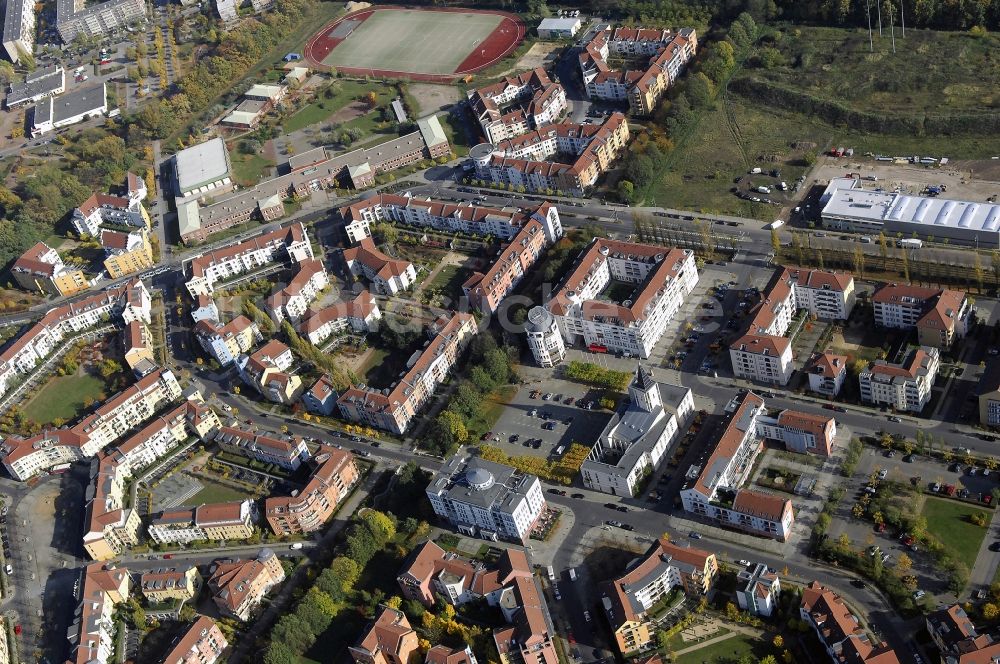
(373, 366)
(248, 168)
(728, 650)
(344, 92)
(490, 412)
(215, 493)
(948, 521)
(449, 280)
(63, 398)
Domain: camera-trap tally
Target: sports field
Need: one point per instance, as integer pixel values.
(423, 42)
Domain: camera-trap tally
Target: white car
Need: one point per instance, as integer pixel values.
(296, 546)
(586, 616)
(9, 570)
(882, 474)
(744, 563)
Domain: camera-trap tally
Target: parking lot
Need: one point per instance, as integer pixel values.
(549, 423)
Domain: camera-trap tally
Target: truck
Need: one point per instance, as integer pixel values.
(911, 243)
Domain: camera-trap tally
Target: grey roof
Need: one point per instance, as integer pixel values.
(202, 164)
(76, 103)
(42, 112)
(431, 131)
(397, 108)
(13, 19)
(37, 84)
(455, 480)
(559, 23)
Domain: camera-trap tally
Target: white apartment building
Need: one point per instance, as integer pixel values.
(292, 301)
(502, 223)
(361, 316)
(486, 499)
(184, 525)
(208, 269)
(26, 457)
(387, 276)
(713, 485)
(227, 342)
(940, 317)
(663, 278)
(226, 9)
(827, 372)
(764, 359)
(19, 29)
(204, 308)
(758, 589)
(88, 217)
(905, 386)
(825, 294)
(202, 643)
(517, 105)
(129, 301)
(288, 453)
(96, 20)
(544, 338)
(635, 442)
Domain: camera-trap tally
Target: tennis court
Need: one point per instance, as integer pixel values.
(414, 41)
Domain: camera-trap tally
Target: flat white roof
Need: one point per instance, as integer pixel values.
(559, 23)
(264, 90)
(188, 217)
(903, 209)
(431, 131)
(201, 164)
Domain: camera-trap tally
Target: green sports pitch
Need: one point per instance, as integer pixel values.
(413, 41)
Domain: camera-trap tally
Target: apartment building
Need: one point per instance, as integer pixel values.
(758, 589)
(763, 353)
(387, 640)
(486, 290)
(309, 510)
(826, 372)
(18, 31)
(905, 386)
(292, 301)
(423, 212)
(444, 655)
(267, 372)
(223, 264)
(627, 599)
(762, 358)
(957, 639)
(321, 398)
(308, 172)
(238, 586)
(430, 571)
(544, 338)
(527, 638)
(839, 630)
(204, 308)
(635, 441)
(126, 253)
(169, 584)
(119, 210)
(940, 317)
(988, 394)
(109, 527)
(485, 499)
(361, 316)
(127, 302)
(713, 485)
(395, 407)
(289, 454)
(96, 20)
(529, 160)
(137, 344)
(386, 276)
(41, 269)
(662, 279)
(214, 521)
(25, 457)
(226, 343)
(202, 643)
(517, 104)
(668, 53)
(92, 633)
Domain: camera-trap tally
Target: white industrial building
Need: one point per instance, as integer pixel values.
(202, 170)
(37, 85)
(559, 28)
(56, 112)
(848, 207)
(486, 499)
(636, 440)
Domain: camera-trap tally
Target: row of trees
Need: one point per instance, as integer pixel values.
(562, 470)
(588, 372)
(492, 367)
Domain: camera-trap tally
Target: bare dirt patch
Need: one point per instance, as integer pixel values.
(353, 110)
(965, 180)
(432, 97)
(538, 55)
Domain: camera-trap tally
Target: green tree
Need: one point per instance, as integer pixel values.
(279, 653)
(380, 525)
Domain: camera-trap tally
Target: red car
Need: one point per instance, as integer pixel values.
(168, 556)
(17, 629)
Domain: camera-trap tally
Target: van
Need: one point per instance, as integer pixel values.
(572, 574)
(296, 546)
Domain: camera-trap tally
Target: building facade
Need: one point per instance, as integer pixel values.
(905, 386)
(517, 104)
(239, 586)
(486, 499)
(762, 358)
(212, 521)
(41, 269)
(226, 343)
(662, 279)
(308, 511)
(202, 643)
(385, 275)
(360, 316)
(289, 454)
(636, 440)
(826, 373)
(758, 589)
(544, 337)
(940, 317)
